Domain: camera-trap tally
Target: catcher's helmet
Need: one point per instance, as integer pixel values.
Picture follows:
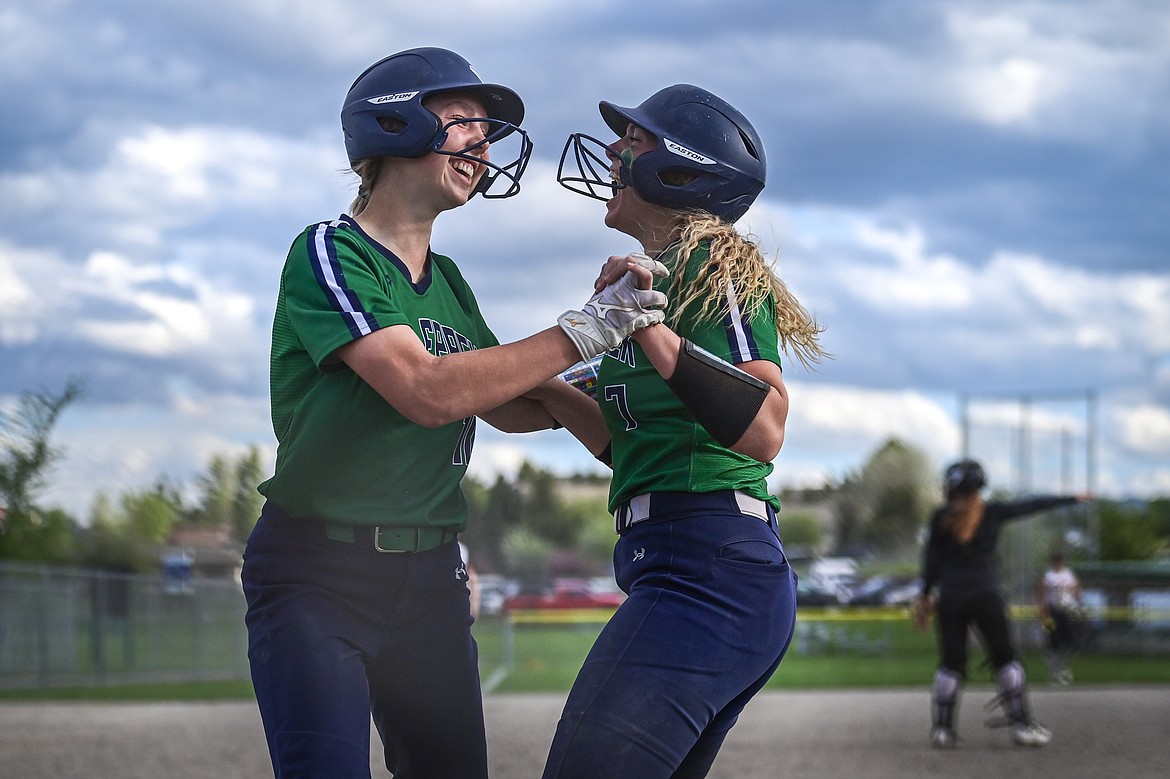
(395, 89)
(963, 477)
(698, 134)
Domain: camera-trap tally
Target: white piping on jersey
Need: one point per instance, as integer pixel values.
(321, 257)
(743, 348)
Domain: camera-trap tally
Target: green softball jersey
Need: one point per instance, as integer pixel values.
(344, 454)
(658, 445)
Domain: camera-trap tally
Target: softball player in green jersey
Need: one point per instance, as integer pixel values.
(696, 408)
(358, 604)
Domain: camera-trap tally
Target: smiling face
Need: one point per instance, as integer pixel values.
(627, 211)
(458, 176)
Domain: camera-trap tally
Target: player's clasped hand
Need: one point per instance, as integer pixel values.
(618, 309)
(617, 266)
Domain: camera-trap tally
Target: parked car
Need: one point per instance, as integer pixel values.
(807, 594)
(494, 590)
(902, 593)
(568, 594)
(884, 591)
(868, 592)
(835, 575)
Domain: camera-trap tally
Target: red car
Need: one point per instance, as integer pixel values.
(566, 595)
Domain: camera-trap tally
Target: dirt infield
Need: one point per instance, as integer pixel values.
(1099, 732)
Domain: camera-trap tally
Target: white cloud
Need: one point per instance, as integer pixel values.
(497, 458)
(1146, 430)
(156, 180)
(1091, 310)
(861, 419)
(997, 83)
(13, 292)
(1012, 91)
(916, 281)
(1088, 76)
(1043, 303)
(202, 317)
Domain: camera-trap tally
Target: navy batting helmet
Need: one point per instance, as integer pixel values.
(395, 89)
(700, 136)
(964, 476)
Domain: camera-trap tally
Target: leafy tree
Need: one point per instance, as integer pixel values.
(246, 501)
(493, 512)
(149, 516)
(529, 528)
(1129, 532)
(543, 511)
(227, 494)
(127, 537)
(525, 553)
(594, 539)
(1159, 510)
(849, 510)
(898, 513)
(28, 532)
(36, 535)
(799, 529)
(883, 508)
(217, 488)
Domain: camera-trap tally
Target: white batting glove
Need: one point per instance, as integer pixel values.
(656, 268)
(614, 312)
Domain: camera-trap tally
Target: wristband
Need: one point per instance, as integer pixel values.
(583, 376)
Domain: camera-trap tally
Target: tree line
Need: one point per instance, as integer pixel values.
(533, 524)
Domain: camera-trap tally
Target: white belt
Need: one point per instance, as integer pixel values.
(637, 509)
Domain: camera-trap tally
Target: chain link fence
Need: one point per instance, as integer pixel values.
(72, 627)
(68, 627)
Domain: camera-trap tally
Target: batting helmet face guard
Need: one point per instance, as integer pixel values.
(384, 114)
(965, 476)
(701, 136)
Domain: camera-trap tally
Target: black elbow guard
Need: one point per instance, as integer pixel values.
(723, 398)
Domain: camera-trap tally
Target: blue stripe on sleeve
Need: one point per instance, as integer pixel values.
(738, 329)
(327, 269)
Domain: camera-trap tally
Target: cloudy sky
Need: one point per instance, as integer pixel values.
(971, 195)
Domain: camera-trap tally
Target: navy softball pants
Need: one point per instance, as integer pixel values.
(710, 614)
(338, 633)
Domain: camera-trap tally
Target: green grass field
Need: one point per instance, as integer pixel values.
(544, 656)
(838, 654)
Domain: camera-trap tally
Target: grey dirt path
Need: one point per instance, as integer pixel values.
(1099, 732)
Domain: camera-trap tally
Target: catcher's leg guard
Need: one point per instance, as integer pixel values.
(944, 704)
(1013, 698)
(1009, 681)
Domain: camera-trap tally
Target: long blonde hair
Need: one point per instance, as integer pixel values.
(735, 259)
(367, 172)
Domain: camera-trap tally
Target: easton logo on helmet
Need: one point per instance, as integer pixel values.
(683, 151)
(397, 97)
